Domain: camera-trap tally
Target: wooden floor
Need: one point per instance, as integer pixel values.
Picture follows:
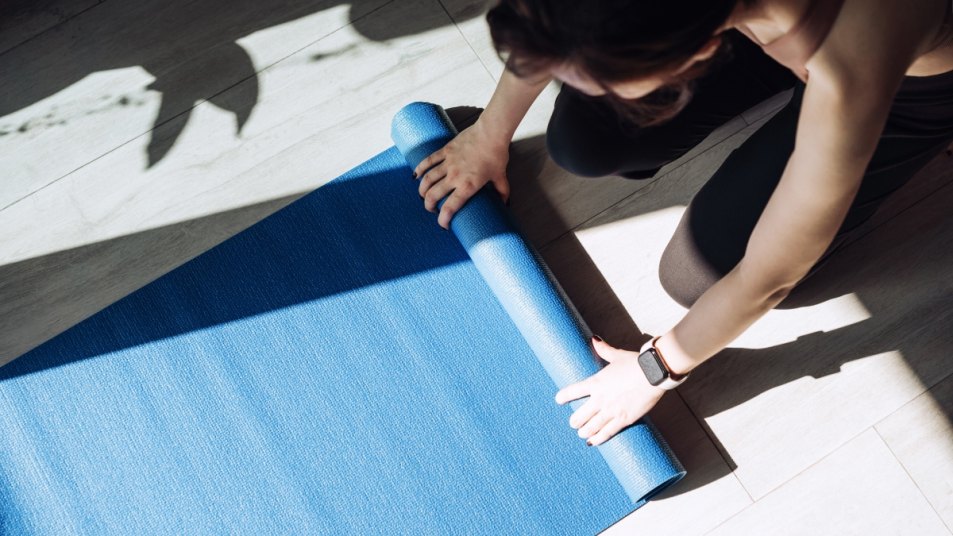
(135, 135)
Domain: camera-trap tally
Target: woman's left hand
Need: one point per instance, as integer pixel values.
(619, 395)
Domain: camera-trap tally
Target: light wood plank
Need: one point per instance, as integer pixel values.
(470, 18)
(114, 72)
(315, 120)
(920, 435)
(858, 490)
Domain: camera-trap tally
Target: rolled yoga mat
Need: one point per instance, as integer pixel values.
(343, 366)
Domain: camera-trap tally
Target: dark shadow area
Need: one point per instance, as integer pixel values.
(190, 48)
(263, 269)
(43, 296)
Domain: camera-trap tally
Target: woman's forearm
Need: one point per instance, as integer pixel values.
(720, 315)
(508, 105)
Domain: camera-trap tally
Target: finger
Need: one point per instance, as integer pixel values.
(573, 392)
(610, 429)
(595, 424)
(430, 178)
(582, 415)
(451, 206)
(435, 158)
(604, 350)
(502, 186)
(436, 193)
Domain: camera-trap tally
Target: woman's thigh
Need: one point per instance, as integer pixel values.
(588, 138)
(713, 233)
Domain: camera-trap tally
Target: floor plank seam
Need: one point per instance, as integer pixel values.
(745, 119)
(912, 480)
(926, 390)
(772, 111)
(815, 462)
(755, 120)
(196, 104)
(923, 198)
(794, 476)
(722, 453)
(467, 41)
(582, 224)
(53, 27)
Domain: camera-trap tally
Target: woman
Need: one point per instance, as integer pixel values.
(642, 82)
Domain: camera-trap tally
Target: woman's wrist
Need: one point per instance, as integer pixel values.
(509, 104)
(497, 136)
(672, 353)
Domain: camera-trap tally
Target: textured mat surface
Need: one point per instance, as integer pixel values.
(341, 366)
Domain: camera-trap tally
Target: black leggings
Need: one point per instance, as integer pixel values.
(587, 138)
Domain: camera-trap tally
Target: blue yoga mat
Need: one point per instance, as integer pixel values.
(343, 366)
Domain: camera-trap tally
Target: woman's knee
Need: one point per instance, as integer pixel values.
(570, 150)
(587, 140)
(575, 151)
(690, 264)
(712, 237)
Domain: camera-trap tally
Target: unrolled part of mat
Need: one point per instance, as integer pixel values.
(639, 456)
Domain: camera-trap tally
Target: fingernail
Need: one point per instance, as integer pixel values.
(588, 443)
(415, 174)
(598, 338)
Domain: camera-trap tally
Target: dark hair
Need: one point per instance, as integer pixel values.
(612, 41)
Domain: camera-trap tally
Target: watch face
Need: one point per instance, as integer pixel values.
(652, 366)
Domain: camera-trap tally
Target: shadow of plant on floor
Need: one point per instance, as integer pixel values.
(191, 49)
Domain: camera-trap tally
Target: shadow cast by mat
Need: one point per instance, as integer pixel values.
(276, 263)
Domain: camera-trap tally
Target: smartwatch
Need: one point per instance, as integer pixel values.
(655, 369)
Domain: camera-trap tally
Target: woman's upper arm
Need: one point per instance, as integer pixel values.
(842, 116)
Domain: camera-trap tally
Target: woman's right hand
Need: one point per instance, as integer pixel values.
(459, 169)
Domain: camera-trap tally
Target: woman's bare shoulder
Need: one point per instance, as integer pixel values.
(882, 40)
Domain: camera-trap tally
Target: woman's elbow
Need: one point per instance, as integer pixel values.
(766, 284)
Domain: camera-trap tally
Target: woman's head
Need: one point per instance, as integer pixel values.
(642, 54)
